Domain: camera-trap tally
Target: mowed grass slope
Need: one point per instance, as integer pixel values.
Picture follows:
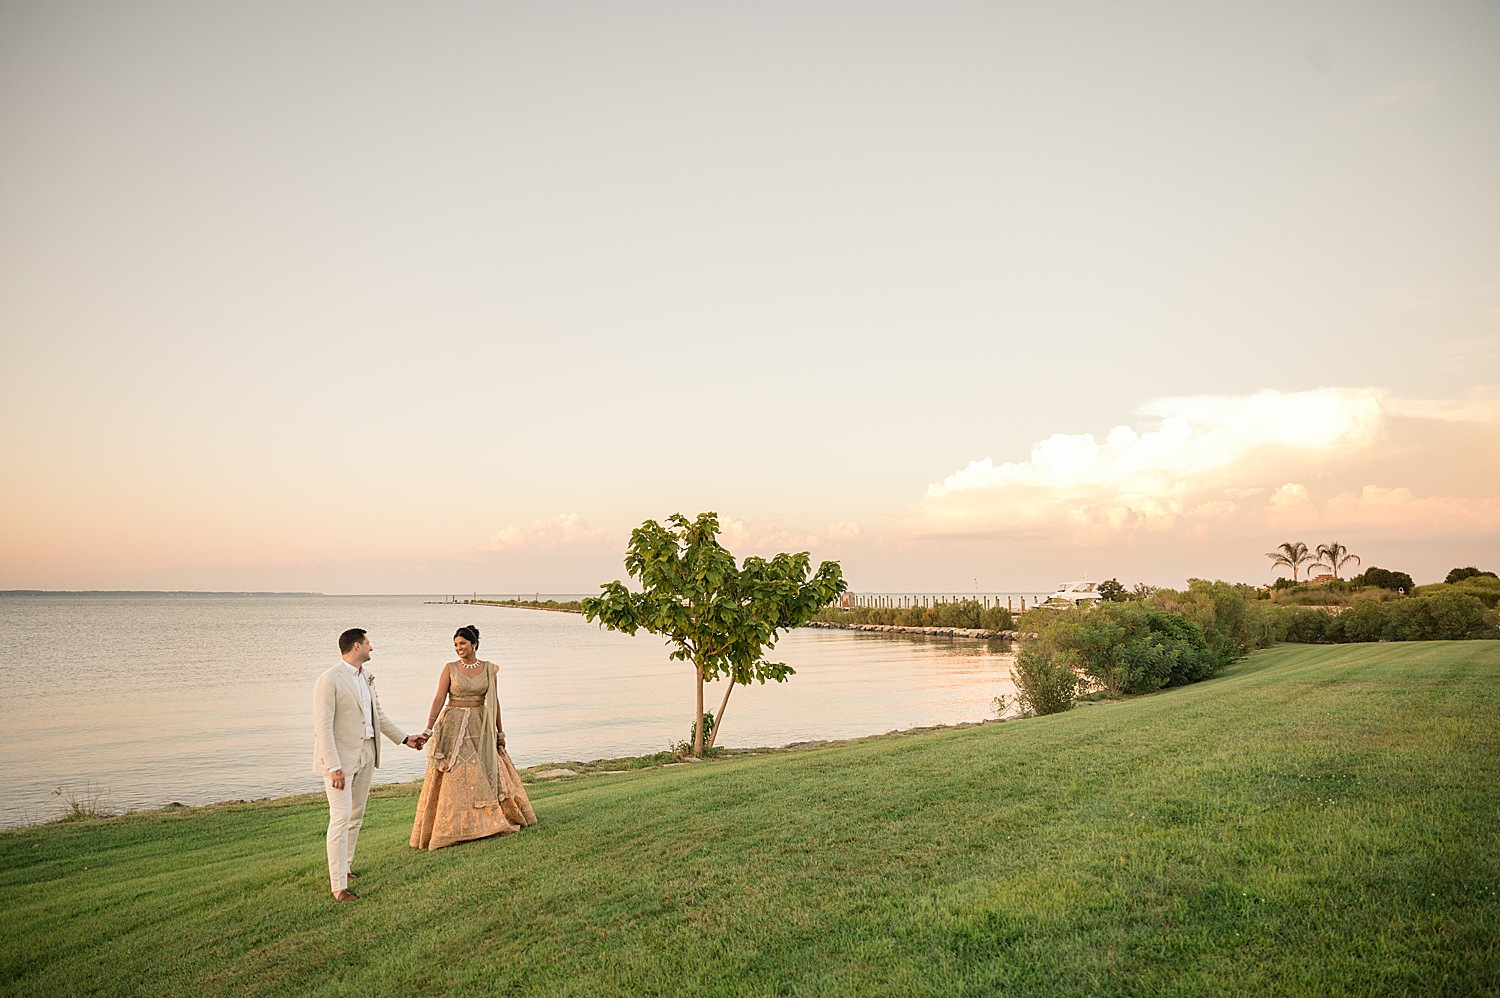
(1318, 821)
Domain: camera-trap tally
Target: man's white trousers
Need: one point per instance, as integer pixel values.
(346, 812)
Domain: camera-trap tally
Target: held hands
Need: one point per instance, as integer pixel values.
(415, 741)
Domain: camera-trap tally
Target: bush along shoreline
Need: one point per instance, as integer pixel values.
(937, 632)
(568, 606)
(968, 615)
(1171, 637)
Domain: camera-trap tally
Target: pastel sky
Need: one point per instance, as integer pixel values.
(447, 297)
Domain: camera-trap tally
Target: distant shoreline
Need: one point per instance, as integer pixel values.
(555, 607)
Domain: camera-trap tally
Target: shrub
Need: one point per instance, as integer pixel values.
(1460, 574)
(1382, 579)
(1482, 587)
(1323, 595)
(1045, 680)
(963, 613)
(1131, 648)
(681, 750)
(1302, 626)
(1485, 588)
(1365, 620)
(1222, 611)
(1449, 615)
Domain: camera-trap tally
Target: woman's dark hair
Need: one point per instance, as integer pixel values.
(469, 634)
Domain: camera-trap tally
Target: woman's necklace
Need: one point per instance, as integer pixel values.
(465, 665)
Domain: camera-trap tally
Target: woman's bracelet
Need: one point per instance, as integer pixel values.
(428, 732)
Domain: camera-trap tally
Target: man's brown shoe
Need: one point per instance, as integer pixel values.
(351, 874)
(345, 895)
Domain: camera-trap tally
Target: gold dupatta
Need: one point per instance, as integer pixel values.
(489, 752)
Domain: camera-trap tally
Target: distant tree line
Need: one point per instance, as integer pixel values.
(960, 613)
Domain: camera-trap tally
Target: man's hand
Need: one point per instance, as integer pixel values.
(415, 741)
(337, 779)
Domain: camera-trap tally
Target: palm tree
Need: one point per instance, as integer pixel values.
(1334, 556)
(1291, 554)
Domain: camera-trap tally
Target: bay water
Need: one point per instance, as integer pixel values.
(150, 698)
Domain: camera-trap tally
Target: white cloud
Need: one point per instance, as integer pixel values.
(1399, 509)
(1207, 448)
(1480, 407)
(1197, 435)
(1289, 495)
(564, 530)
(741, 538)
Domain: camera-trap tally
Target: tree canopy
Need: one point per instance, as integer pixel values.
(1386, 579)
(1460, 574)
(718, 615)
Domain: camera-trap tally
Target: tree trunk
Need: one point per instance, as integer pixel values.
(698, 718)
(713, 735)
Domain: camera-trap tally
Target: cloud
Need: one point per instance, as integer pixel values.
(1399, 509)
(1207, 448)
(1197, 435)
(1289, 496)
(1479, 407)
(741, 538)
(564, 530)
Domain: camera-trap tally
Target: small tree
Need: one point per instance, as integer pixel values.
(1394, 581)
(1334, 556)
(719, 616)
(1112, 591)
(1292, 554)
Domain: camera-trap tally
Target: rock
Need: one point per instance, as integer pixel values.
(548, 774)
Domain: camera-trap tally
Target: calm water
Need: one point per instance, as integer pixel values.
(198, 698)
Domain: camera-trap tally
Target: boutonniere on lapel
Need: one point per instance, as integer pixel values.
(370, 679)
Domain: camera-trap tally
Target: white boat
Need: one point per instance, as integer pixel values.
(1083, 592)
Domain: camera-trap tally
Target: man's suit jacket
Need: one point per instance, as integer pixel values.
(339, 723)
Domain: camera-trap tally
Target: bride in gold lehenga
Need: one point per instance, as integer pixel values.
(471, 789)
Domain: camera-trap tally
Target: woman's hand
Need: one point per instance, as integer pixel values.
(499, 740)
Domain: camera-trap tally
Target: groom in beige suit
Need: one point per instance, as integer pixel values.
(347, 720)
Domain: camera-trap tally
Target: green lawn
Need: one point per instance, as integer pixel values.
(1317, 821)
